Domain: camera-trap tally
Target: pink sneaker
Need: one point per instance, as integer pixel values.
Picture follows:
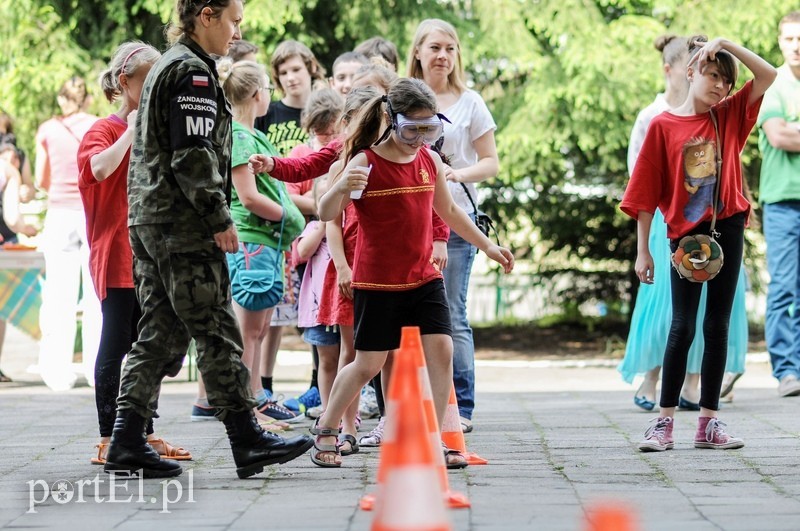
(658, 436)
(711, 434)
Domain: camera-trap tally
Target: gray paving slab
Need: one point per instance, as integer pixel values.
(560, 442)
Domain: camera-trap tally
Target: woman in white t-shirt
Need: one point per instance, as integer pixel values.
(435, 57)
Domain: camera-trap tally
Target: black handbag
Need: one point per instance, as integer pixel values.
(482, 219)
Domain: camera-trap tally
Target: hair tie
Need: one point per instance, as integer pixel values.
(385, 98)
(125, 62)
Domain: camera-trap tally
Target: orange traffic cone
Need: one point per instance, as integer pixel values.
(410, 496)
(454, 499)
(609, 516)
(452, 436)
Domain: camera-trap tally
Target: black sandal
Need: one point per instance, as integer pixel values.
(455, 465)
(349, 439)
(322, 448)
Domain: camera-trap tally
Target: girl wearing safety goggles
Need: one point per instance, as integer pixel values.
(394, 282)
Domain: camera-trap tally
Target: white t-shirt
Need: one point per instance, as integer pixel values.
(471, 120)
(639, 130)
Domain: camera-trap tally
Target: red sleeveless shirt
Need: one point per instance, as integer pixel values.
(395, 240)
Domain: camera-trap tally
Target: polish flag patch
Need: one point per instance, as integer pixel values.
(199, 81)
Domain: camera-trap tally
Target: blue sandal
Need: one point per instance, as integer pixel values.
(644, 403)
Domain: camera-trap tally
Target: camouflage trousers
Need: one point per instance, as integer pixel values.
(182, 284)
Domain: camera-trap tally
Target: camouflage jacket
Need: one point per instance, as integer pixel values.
(180, 158)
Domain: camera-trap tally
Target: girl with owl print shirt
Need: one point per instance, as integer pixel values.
(677, 172)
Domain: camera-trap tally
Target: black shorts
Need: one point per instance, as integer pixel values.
(380, 315)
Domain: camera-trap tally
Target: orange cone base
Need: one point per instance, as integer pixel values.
(456, 500)
(475, 459)
(367, 502)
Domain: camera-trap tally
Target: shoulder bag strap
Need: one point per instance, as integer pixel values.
(69, 129)
(469, 196)
(283, 222)
(718, 152)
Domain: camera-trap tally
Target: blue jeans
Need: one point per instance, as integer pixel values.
(782, 233)
(460, 255)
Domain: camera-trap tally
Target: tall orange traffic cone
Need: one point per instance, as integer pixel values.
(392, 395)
(410, 496)
(452, 436)
(453, 499)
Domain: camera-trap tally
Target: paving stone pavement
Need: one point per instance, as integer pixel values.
(560, 441)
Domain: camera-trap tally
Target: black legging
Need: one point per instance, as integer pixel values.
(376, 384)
(719, 300)
(121, 314)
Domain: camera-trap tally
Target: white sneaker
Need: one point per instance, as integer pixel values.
(374, 438)
(789, 386)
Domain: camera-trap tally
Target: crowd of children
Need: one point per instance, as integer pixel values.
(296, 255)
(297, 220)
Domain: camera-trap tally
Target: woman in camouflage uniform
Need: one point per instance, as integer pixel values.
(180, 228)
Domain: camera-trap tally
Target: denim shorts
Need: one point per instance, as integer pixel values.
(321, 335)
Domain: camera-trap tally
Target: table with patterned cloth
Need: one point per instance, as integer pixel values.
(21, 274)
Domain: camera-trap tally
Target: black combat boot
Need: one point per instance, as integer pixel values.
(254, 448)
(130, 454)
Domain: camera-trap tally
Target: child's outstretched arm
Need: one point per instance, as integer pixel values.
(350, 179)
(763, 72)
(293, 170)
(458, 220)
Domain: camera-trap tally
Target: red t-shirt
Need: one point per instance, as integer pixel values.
(106, 206)
(395, 229)
(676, 168)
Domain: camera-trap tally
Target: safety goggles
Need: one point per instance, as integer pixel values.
(411, 131)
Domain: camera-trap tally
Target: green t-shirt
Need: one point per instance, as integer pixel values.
(780, 169)
(252, 228)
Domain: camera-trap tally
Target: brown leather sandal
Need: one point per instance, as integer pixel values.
(102, 451)
(167, 451)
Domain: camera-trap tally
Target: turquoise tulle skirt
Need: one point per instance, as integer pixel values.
(652, 315)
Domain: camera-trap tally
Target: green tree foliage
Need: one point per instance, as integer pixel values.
(564, 79)
(565, 91)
